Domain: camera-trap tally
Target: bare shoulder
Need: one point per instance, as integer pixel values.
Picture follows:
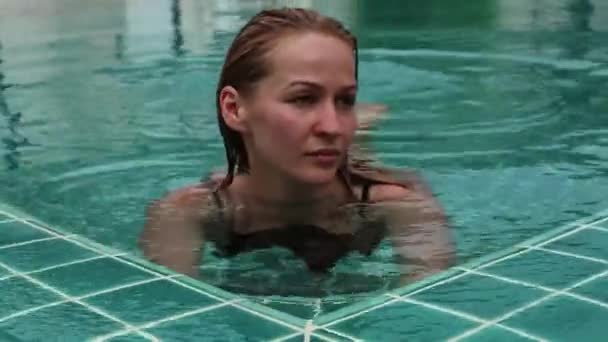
(187, 203)
(171, 235)
(406, 185)
(390, 192)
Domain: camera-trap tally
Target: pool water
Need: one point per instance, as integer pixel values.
(501, 105)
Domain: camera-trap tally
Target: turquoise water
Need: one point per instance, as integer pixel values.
(502, 106)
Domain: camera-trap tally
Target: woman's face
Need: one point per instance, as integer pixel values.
(300, 119)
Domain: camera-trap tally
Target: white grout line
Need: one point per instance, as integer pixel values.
(362, 312)
(442, 309)
(510, 280)
(132, 264)
(501, 259)
(526, 307)
(71, 263)
(308, 329)
(72, 299)
(286, 338)
(120, 287)
(433, 285)
(89, 295)
(317, 309)
(527, 248)
(543, 288)
(374, 308)
(161, 321)
(585, 299)
(572, 255)
(30, 310)
(568, 233)
(469, 317)
(337, 333)
(29, 242)
(188, 314)
(272, 319)
(601, 229)
(599, 220)
(49, 268)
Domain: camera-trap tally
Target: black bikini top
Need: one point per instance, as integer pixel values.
(317, 247)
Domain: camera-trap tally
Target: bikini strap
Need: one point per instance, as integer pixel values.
(217, 199)
(362, 211)
(365, 191)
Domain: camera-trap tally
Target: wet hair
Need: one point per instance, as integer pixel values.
(246, 63)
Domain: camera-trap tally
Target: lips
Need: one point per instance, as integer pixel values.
(325, 152)
(326, 158)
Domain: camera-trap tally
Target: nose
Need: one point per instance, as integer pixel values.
(328, 121)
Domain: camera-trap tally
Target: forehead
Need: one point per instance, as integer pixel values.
(315, 57)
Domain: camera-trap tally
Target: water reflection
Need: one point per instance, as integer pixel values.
(13, 140)
(581, 12)
(178, 39)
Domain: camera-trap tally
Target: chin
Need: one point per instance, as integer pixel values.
(317, 176)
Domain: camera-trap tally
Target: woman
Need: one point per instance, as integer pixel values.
(287, 114)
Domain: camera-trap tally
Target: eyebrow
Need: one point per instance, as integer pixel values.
(316, 85)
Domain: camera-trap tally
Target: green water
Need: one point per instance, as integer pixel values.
(501, 105)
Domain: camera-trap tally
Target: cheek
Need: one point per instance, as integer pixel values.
(350, 125)
(280, 130)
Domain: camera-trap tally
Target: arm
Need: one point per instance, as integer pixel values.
(418, 230)
(172, 235)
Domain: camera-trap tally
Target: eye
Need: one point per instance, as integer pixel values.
(346, 101)
(302, 100)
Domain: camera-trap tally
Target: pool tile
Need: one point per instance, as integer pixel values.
(596, 289)
(563, 319)
(92, 276)
(588, 242)
(297, 309)
(18, 294)
(16, 232)
(395, 321)
(6, 337)
(129, 338)
(4, 272)
(496, 334)
(298, 338)
(68, 321)
(546, 269)
(332, 305)
(43, 254)
(225, 323)
(480, 296)
(151, 301)
(322, 335)
(305, 310)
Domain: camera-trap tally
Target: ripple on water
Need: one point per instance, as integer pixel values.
(599, 73)
(565, 64)
(496, 125)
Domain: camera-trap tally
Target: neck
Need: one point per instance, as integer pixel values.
(272, 193)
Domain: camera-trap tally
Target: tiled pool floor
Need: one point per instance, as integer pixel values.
(551, 288)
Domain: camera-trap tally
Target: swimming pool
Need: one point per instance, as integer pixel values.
(501, 105)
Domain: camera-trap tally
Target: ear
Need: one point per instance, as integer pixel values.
(232, 110)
